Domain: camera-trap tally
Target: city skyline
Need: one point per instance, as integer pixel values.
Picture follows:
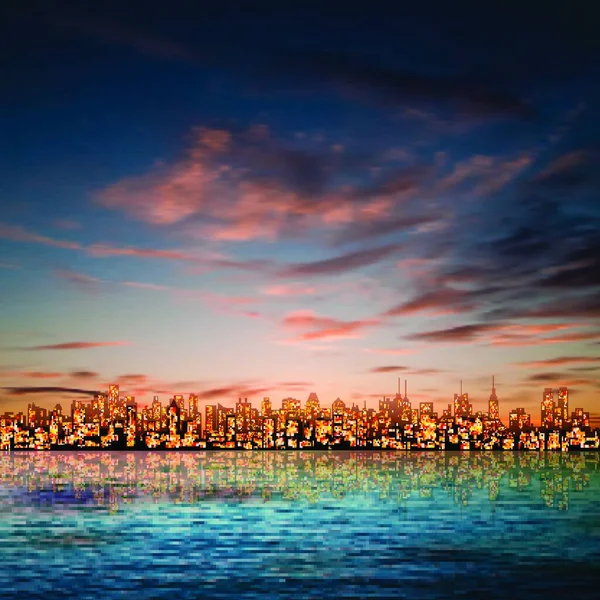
(468, 404)
(269, 200)
(496, 408)
(110, 421)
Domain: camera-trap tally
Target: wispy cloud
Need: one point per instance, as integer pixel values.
(558, 362)
(290, 289)
(342, 263)
(391, 351)
(113, 34)
(27, 390)
(460, 333)
(81, 280)
(387, 369)
(203, 259)
(508, 334)
(443, 301)
(77, 345)
(557, 377)
(312, 327)
(84, 374)
(32, 374)
(17, 233)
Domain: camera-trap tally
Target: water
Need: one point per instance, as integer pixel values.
(152, 525)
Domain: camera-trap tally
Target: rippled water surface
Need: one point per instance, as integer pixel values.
(299, 524)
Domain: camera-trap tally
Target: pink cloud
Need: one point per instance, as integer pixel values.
(444, 301)
(314, 327)
(559, 361)
(103, 250)
(390, 351)
(16, 233)
(485, 174)
(32, 374)
(291, 289)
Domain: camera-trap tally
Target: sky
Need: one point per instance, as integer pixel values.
(248, 199)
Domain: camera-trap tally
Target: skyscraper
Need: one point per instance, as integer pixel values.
(312, 405)
(193, 406)
(563, 404)
(518, 419)
(266, 407)
(406, 411)
(462, 408)
(548, 408)
(494, 409)
(113, 402)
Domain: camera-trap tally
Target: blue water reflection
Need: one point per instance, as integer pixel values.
(299, 524)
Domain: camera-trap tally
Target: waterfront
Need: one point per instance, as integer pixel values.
(306, 524)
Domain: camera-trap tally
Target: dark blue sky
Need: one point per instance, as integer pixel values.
(324, 182)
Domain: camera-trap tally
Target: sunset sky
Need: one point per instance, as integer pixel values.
(270, 199)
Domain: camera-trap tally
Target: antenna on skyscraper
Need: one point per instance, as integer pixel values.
(399, 385)
(461, 387)
(405, 392)
(493, 384)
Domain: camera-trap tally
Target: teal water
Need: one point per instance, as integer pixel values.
(152, 525)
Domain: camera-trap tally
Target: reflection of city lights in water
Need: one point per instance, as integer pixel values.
(116, 478)
(340, 524)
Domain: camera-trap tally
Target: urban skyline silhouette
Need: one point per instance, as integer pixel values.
(112, 421)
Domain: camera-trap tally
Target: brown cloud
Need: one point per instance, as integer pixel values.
(135, 379)
(561, 169)
(440, 302)
(563, 379)
(84, 374)
(76, 345)
(233, 392)
(363, 230)
(559, 361)
(85, 282)
(387, 369)
(26, 390)
(298, 384)
(460, 333)
(519, 340)
(507, 334)
(341, 263)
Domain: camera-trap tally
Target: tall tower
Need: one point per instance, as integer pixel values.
(494, 409)
(193, 406)
(563, 402)
(406, 412)
(548, 408)
(462, 407)
(265, 408)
